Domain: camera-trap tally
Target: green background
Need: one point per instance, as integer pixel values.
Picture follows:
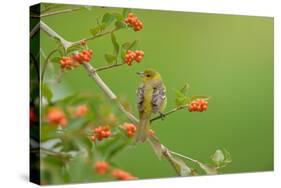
(227, 57)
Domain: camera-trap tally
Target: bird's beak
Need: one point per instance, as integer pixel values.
(141, 74)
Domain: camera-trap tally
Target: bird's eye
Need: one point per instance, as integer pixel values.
(148, 75)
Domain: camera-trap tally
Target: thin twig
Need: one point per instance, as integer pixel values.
(183, 156)
(55, 154)
(95, 36)
(109, 93)
(109, 67)
(34, 30)
(56, 12)
(46, 63)
(169, 112)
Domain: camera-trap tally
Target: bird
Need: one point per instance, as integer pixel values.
(151, 98)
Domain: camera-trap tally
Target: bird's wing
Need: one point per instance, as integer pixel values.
(158, 97)
(140, 97)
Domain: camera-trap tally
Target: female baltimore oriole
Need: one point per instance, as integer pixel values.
(151, 98)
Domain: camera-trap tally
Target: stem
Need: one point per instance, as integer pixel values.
(108, 67)
(109, 93)
(34, 30)
(169, 112)
(56, 12)
(95, 36)
(183, 156)
(66, 44)
(46, 63)
(63, 156)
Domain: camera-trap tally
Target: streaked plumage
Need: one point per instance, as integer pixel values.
(151, 98)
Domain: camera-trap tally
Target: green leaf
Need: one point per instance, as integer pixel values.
(133, 45)
(181, 99)
(126, 45)
(120, 25)
(117, 16)
(55, 59)
(46, 92)
(107, 18)
(115, 44)
(185, 88)
(210, 170)
(218, 157)
(181, 167)
(109, 58)
(126, 11)
(94, 31)
(227, 156)
(103, 26)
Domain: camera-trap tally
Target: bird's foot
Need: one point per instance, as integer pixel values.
(162, 115)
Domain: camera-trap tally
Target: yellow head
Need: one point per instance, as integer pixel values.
(149, 75)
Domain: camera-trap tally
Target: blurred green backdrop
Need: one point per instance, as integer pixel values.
(227, 57)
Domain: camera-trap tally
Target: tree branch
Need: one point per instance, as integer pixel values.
(169, 112)
(66, 44)
(56, 12)
(92, 72)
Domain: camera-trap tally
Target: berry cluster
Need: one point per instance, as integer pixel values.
(101, 133)
(69, 62)
(198, 105)
(133, 55)
(101, 167)
(134, 22)
(57, 116)
(130, 129)
(122, 175)
(81, 110)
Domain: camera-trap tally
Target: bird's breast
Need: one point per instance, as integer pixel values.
(148, 91)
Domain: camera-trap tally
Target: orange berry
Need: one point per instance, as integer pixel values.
(101, 132)
(130, 129)
(101, 167)
(56, 116)
(81, 110)
(130, 14)
(122, 175)
(93, 138)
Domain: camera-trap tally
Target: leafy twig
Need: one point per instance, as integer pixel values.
(46, 63)
(56, 12)
(169, 112)
(109, 67)
(95, 36)
(154, 141)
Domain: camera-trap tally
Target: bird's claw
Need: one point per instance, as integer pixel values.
(162, 116)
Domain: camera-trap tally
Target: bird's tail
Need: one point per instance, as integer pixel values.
(142, 130)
